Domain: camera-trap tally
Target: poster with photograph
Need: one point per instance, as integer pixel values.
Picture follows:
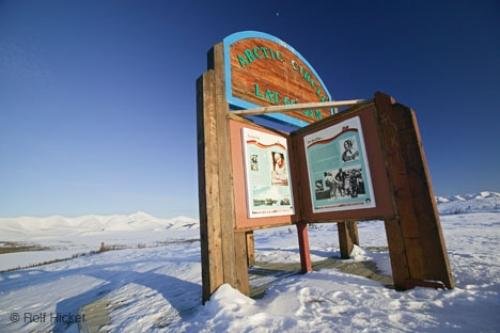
(338, 170)
(269, 190)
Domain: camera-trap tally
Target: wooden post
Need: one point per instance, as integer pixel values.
(305, 252)
(416, 244)
(208, 177)
(348, 236)
(224, 256)
(352, 227)
(250, 248)
(241, 281)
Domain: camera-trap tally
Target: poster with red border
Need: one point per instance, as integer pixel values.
(267, 171)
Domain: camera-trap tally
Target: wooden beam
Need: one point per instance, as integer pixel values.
(226, 201)
(304, 250)
(296, 107)
(416, 244)
(399, 263)
(352, 228)
(433, 246)
(345, 241)
(234, 255)
(401, 231)
(223, 251)
(208, 178)
(348, 237)
(241, 280)
(250, 243)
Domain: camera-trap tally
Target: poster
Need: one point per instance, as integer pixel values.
(338, 170)
(269, 189)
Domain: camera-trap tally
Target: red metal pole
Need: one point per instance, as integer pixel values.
(305, 252)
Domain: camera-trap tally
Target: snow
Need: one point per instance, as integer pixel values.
(156, 287)
(24, 259)
(68, 236)
(472, 202)
(58, 226)
(442, 199)
(468, 196)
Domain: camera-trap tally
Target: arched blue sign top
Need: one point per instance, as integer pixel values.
(276, 120)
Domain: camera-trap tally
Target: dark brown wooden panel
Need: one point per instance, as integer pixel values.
(384, 206)
(416, 244)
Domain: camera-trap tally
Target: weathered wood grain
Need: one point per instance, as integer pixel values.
(250, 243)
(345, 242)
(226, 199)
(416, 245)
(437, 266)
(348, 236)
(352, 228)
(208, 177)
(277, 74)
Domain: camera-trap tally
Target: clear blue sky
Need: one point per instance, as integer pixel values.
(97, 98)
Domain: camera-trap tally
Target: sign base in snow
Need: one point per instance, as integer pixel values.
(364, 163)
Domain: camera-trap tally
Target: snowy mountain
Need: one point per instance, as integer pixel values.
(62, 237)
(22, 228)
(89, 224)
(467, 203)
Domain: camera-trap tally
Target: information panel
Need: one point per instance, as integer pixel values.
(338, 170)
(268, 181)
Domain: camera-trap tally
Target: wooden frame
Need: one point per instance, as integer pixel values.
(243, 222)
(384, 208)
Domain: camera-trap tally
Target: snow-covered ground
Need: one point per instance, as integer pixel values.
(66, 236)
(154, 282)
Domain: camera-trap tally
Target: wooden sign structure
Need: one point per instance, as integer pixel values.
(361, 164)
(262, 70)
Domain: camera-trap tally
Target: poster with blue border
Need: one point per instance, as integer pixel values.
(269, 188)
(338, 169)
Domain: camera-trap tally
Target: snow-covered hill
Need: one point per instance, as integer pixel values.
(468, 203)
(27, 241)
(23, 228)
(103, 227)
